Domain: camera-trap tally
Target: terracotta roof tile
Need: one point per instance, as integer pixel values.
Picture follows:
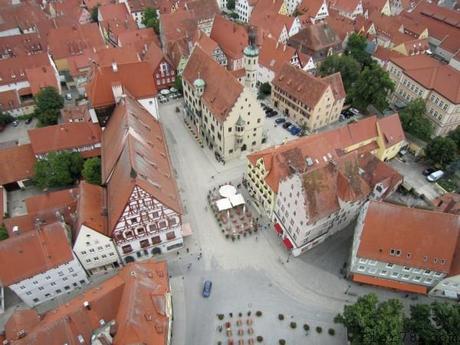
(449, 202)
(66, 136)
(78, 113)
(138, 40)
(9, 100)
(135, 299)
(120, 55)
(203, 9)
(135, 153)
(22, 45)
(22, 319)
(432, 74)
(66, 198)
(221, 90)
(16, 164)
(206, 43)
(310, 7)
(388, 283)
(436, 235)
(231, 37)
(391, 128)
(135, 78)
(315, 37)
(91, 203)
(274, 55)
(345, 5)
(13, 70)
(178, 25)
(28, 254)
(41, 77)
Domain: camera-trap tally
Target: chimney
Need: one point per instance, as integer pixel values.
(117, 91)
(114, 66)
(86, 305)
(16, 230)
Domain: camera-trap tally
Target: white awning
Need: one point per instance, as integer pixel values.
(236, 200)
(223, 204)
(227, 191)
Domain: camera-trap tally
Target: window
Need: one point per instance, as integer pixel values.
(361, 268)
(36, 300)
(170, 235)
(383, 273)
(394, 275)
(53, 284)
(127, 249)
(144, 243)
(389, 265)
(28, 293)
(405, 277)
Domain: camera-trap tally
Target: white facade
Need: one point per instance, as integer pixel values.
(358, 11)
(291, 5)
(147, 230)
(50, 284)
(244, 10)
(295, 27)
(151, 105)
(449, 287)
(386, 270)
(95, 251)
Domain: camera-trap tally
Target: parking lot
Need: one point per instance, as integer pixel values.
(17, 133)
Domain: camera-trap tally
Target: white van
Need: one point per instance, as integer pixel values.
(433, 177)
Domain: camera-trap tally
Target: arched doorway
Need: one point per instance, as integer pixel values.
(156, 251)
(129, 259)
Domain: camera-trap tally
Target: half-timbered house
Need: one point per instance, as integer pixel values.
(143, 204)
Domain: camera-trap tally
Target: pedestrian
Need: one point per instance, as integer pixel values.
(256, 238)
(188, 250)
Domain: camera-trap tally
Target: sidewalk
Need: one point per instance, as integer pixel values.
(178, 302)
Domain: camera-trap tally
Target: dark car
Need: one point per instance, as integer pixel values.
(218, 157)
(280, 120)
(272, 114)
(428, 171)
(207, 288)
(268, 110)
(294, 130)
(286, 125)
(29, 120)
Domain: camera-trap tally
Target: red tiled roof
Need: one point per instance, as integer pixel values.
(120, 55)
(315, 37)
(221, 90)
(66, 136)
(207, 44)
(231, 37)
(138, 40)
(154, 56)
(391, 128)
(28, 254)
(385, 54)
(16, 164)
(66, 198)
(20, 320)
(310, 7)
(136, 78)
(449, 202)
(41, 77)
(76, 113)
(90, 208)
(136, 299)
(388, 283)
(432, 75)
(135, 154)
(425, 239)
(345, 5)
(9, 100)
(116, 18)
(274, 55)
(13, 70)
(178, 25)
(22, 45)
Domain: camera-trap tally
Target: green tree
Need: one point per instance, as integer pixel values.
(150, 19)
(265, 89)
(5, 119)
(230, 5)
(414, 121)
(369, 322)
(92, 170)
(58, 169)
(356, 48)
(234, 15)
(441, 151)
(3, 232)
(178, 84)
(348, 67)
(48, 103)
(372, 87)
(95, 13)
(455, 136)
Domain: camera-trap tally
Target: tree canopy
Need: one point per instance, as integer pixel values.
(230, 5)
(356, 48)
(348, 67)
(455, 136)
(441, 151)
(372, 323)
(372, 87)
(92, 170)
(5, 119)
(48, 103)
(265, 89)
(178, 84)
(58, 169)
(150, 19)
(414, 121)
(3, 232)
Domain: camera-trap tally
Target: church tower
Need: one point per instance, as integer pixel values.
(251, 60)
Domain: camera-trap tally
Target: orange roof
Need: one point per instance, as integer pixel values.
(135, 299)
(20, 320)
(91, 199)
(78, 113)
(221, 90)
(392, 130)
(305, 87)
(13, 70)
(274, 55)
(16, 164)
(138, 40)
(385, 54)
(154, 56)
(67, 41)
(121, 55)
(116, 18)
(41, 77)
(316, 147)
(135, 154)
(30, 253)
(65, 136)
(449, 202)
(203, 9)
(207, 44)
(436, 235)
(345, 5)
(135, 78)
(177, 25)
(389, 283)
(66, 198)
(340, 24)
(231, 37)
(315, 37)
(431, 74)
(310, 7)
(22, 45)
(9, 100)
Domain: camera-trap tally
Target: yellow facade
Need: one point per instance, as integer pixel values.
(258, 188)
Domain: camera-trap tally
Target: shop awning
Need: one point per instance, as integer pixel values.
(389, 283)
(223, 204)
(236, 200)
(278, 228)
(287, 243)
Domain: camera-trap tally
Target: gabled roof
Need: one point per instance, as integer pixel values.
(28, 254)
(206, 43)
(154, 56)
(136, 299)
(425, 239)
(75, 113)
(135, 153)
(274, 55)
(9, 100)
(22, 45)
(431, 74)
(391, 129)
(315, 37)
(66, 136)
(221, 90)
(231, 37)
(202, 9)
(63, 199)
(138, 40)
(345, 5)
(449, 202)
(178, 25)
(310, 8)
(13, 70)
(16, 164)
(90, 208)
(120, 55)
(41, 77)
(135, 78)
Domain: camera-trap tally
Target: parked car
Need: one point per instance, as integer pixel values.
(286, 125)
(428, 171)
(294, 130)
(268, 110)
(68, 96)
(207, 286)
(280, 120)
(433, 177)
(272, 114)
(15, 123)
